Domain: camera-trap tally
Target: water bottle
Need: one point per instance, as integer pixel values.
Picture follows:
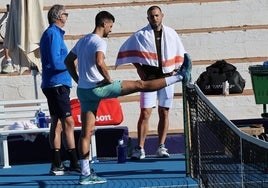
(225, 88)
(265, 63)
(42, 123)
(121, 151)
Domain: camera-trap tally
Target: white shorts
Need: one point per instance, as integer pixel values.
(165, 98)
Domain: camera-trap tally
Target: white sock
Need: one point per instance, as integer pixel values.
(173, 79)
(85, 167)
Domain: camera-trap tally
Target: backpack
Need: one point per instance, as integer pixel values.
(211, 81)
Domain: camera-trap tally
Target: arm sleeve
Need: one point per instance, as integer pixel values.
(58, 52)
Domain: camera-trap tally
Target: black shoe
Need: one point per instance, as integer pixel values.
(57, 171)
(74, 169)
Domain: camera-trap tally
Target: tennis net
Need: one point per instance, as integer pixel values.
(220, 155)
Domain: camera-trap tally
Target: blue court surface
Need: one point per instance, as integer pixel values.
(150, 172)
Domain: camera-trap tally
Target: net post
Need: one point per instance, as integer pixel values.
(186, 129)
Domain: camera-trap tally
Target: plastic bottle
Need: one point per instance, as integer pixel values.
(225, 88)
(42, 123)
(265, 63)
(121, 151)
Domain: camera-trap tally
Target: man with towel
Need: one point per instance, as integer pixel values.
(156, 51)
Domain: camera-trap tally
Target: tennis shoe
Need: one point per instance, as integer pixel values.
(91, 179)
(57, 171)
(162, 152)
(186, 68)
(138, 153)
(74, 169)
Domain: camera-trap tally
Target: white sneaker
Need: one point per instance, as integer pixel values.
(7, 67)
(138, 153)
(162, 152)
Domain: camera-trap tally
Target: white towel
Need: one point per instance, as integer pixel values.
(141, 48)
(24, 125)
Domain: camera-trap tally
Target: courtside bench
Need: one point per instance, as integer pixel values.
(24, 110)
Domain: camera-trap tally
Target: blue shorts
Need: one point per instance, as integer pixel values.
(90, 98)
(58, 99)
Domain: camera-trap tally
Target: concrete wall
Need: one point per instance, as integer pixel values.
(210, 30)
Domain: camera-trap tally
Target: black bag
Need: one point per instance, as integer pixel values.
(211, 81)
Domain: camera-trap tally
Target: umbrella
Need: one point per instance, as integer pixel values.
(25, 26)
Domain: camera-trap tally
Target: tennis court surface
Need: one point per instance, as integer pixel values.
(218, 155)
(150, 172)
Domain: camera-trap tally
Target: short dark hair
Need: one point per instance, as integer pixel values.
(54, 13)
(102, 16)
(152, 8)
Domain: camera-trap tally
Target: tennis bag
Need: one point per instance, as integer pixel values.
(109, 112)
(211, 81)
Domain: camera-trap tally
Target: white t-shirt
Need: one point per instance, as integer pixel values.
(86, 49)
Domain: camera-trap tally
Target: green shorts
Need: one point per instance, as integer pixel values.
(90, 98)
